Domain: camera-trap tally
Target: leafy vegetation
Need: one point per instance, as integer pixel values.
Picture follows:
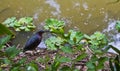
(69, 50)
(55, 25)
(4, 30)
(117, 26)
(25, 23)
(97, 40)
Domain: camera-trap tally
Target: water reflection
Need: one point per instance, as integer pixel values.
(55, 5)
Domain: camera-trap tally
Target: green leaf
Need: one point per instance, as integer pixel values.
(32, 67)
(65, 68)
(74, 37)
(25, 23)
(4, 40)
(31, 26)
(117, 63)
(101, 62)
(6, 61)
(66, 49)
(55, 66)
(117, 26)
(115, 49)
(5, 30)
(97, 40)
(63, 59)
(80, 57)
(10, 21)
(27, 29)
(55, 25)
(90, 65)
(12, 51)
(111, 65)
(54, 42)
(26, 20)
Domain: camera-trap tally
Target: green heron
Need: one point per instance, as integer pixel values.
(34, 41)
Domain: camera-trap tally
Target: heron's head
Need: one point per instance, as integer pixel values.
(42, 31)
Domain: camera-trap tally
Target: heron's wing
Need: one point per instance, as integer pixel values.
(33, 41)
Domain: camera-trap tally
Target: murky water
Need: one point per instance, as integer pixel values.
(87, 16)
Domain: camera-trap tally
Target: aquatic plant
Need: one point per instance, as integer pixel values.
(54, 25)
(23, 24)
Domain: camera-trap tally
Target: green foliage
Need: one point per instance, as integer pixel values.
(4, 40)
(97, 40)
(80, 57)
(55, 25)
(115, 62)
(32, 67)
(73, 37)
(11, 52)
(54, 42)
(25, 23)
(69, 48)
(63, 59)
(96, 63)
(117, 26)
(4, 30)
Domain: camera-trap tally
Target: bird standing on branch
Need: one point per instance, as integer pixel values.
(34, 41)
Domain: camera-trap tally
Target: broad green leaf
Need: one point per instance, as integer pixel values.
(27, 29)
(6, 61)
(74, 37)
(23, 24)
(12, 51)
(80, 57)
(54, 42)
(65, 68)
(63, 59)
(90, 65)
(5, 30)
(97, 40)
(55, 66)
(66, 49)
(32, 67)
(101, 62)
(55, 25)
(4, 40)
(25, 20)
(10, 21)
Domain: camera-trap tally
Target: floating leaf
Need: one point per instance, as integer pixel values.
(25, 23)
(54, 25)
(10, 21)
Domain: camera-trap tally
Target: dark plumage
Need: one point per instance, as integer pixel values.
(34, 41)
